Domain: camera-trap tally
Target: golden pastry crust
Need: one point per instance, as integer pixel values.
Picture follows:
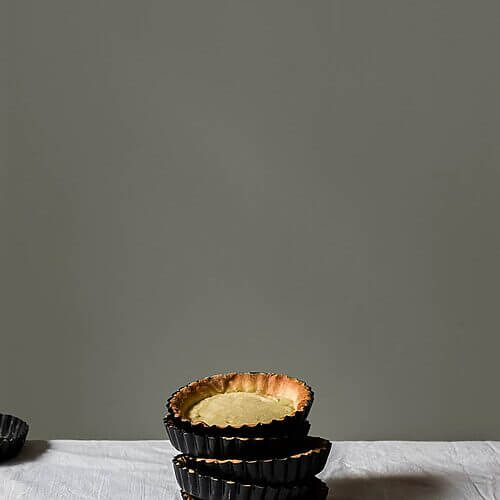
(272, 384)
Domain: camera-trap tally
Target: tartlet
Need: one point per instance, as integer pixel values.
(205, 445)
(242, 404)
(13, 432)
(305, 462)
(207, 487)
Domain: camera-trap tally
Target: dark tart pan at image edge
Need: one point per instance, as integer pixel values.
(320, 494)
(13, 432)
(279, 427)
(222, 447)
(207, 487)
(307, 460)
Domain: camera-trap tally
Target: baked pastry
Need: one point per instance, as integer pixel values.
(206, 445)
(242, 404)
(307, 459)
(207, 487)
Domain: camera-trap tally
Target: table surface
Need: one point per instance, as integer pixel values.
(98, 470)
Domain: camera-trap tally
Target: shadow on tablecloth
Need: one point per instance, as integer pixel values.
(397, 487)
(30, 452)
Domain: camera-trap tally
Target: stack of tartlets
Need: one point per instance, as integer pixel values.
(244, 436)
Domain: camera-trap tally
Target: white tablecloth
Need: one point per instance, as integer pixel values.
(123, 470)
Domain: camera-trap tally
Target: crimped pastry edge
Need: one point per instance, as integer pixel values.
(264, 383)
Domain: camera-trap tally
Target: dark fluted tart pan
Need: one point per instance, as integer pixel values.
(263, 383)
(13, 432)
(207, 487)
(222, 447)
(320, 494)
(307, 460)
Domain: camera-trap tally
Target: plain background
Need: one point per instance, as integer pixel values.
(192, 187)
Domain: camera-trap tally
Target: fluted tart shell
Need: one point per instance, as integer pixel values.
(304, 462)
(264, 384)
(223, 447)
(208, 487)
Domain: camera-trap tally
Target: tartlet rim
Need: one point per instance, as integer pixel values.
(302, 407)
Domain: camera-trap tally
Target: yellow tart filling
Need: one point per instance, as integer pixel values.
(240, 408)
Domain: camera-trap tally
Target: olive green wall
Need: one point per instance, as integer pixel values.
(193, 187)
